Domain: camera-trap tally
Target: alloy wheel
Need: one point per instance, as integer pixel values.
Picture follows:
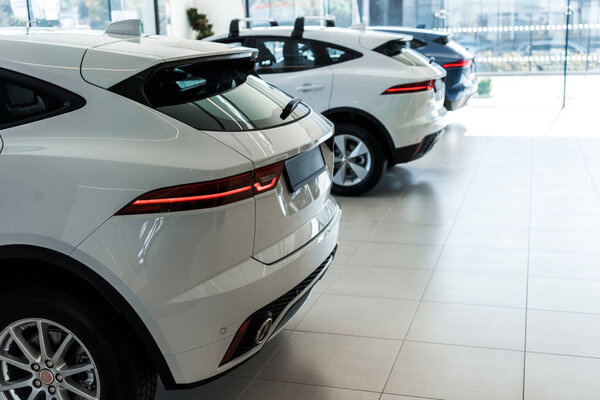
(352, 160)
(42, 360)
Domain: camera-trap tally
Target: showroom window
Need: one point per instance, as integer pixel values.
(76, 14)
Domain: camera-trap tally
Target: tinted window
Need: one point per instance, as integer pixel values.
(417, 44)
(24, 99)
(284, 55)
(219, 97)
(339, 55)
(400, 51)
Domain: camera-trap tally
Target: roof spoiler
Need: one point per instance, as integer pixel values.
(299, 24)
(234, 26)
(129, 27)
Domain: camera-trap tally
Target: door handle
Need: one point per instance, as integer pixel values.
(307, 87)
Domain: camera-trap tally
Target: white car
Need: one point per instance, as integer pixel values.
(163, 211)
(386, 100)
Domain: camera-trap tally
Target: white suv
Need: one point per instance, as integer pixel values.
(163, 210)
(386, 100)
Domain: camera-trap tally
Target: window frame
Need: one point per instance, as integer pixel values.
(323, 50)
(320, 61)
(71, 100)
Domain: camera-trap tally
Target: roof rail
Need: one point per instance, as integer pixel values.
(299, 24)
(130, 27)
(234, 26)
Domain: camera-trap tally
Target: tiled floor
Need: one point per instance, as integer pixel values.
(473, 273)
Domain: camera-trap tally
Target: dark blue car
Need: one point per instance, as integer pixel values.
(461, 82)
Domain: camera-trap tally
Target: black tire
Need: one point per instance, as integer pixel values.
(377, 164)
(123, 370)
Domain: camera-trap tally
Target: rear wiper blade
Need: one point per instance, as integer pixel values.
(290, 107)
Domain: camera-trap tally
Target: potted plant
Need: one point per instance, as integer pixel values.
(199, 23)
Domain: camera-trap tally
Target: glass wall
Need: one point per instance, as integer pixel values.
(84, 14)
(507, 36)
(284, 11)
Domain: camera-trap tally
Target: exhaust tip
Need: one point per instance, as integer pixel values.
(263, 331)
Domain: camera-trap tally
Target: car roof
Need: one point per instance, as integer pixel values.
(116, 57)
(427, 33)
(348, 37)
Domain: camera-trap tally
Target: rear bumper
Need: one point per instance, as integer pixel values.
(416, 151)
(460, 87)
(282, 292)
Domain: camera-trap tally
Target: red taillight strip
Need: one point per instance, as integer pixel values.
(411, 87)
(206, 194)
(458, 64)
(260, 188)
(192, 198)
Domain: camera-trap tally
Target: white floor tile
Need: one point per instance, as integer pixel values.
(411, 234)
(551, 377)
(567, 241)
(494, 238)
(477, 289)
(457, 373)
(272, 390)
(563, 333)
(501, 328)
(360, 316)
(564, 265)
(396, 255)
(564, 295)
(479, 260)
(332, 360)
(394, 283)
(496, 219)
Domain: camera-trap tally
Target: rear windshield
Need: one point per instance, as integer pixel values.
(400, 50)
(219, 96)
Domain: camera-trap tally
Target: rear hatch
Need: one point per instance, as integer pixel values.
(426, 72)
(282, 137)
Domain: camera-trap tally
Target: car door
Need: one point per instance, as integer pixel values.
(295, 66)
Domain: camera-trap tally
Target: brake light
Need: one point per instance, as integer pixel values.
(458, 64)
(206, 194)
(266, 178)
(412, 87)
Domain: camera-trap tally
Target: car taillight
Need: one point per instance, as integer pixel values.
(458, 64)
(411, 87)
(206, 194)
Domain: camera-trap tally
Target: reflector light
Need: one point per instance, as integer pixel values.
(236, 342)
(458, 64)
(412, 87)
(206, 194)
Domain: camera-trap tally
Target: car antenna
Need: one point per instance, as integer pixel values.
(128, 27)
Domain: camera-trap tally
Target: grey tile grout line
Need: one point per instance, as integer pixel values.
(465, 304)
(484, 247)
(474, 172)
(528, 265)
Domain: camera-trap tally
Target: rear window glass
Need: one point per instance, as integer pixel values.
(24, 99)
(219, 97)
(399, 50)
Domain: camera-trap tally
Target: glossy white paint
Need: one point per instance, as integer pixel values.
(359, 83)
(187, 274)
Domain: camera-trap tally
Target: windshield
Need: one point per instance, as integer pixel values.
(219, 96)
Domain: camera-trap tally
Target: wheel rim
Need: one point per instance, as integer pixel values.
(42, 360)
(352, 160)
